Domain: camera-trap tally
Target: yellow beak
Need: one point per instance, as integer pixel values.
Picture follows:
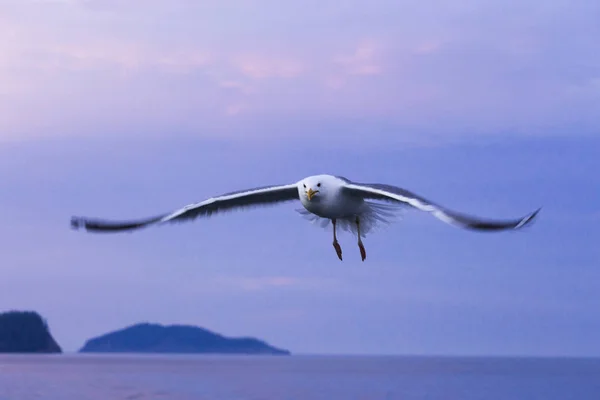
(311, 193)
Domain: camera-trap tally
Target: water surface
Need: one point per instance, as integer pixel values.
(106, 377)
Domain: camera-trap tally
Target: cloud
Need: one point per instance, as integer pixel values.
(235, 109)
(261, 67)
(183, 67)
(273, 282)
(428, 47)
(236, 85)
(99, 54)
(363, 61)
(590, 88)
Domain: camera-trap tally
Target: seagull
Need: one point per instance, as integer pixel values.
(347, 205)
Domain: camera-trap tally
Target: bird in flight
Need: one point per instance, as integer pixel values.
(351, 206)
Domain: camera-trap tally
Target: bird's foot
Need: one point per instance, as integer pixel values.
(338, 249)
(363, 252)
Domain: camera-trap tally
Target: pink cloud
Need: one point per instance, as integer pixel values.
(235, 109)
(424, 71)
(127, 56)
(237, 85)
(261, 67)
(184, 61)
(335, 82)
(428, 47)
(364, 60)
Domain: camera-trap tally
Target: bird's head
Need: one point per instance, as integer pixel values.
(310, 188)
(313, 188)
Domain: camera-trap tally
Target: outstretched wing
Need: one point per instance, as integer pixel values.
(253, 197)
(377, 191)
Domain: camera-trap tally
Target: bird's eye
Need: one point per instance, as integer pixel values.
(304, 184)
(318, 184)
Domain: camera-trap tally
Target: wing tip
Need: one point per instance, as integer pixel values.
(93, 225)
(77, 223)
(528, 220)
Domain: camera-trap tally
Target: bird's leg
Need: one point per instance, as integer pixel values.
(363, 252)
(336, 245)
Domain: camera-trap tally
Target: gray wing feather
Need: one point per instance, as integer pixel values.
(260, 196)
(383, 192)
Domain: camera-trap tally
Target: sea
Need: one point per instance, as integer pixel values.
(198, 377)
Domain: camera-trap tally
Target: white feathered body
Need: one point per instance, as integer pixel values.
(331, 204)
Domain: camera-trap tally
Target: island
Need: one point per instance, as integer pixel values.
(25, 332)
(156, 338)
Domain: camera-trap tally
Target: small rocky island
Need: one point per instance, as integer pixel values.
(25, 332)
(155, 338)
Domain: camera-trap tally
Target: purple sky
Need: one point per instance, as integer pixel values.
(126, 109)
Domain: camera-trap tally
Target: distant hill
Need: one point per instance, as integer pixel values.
(25, 332)
(155, 338)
